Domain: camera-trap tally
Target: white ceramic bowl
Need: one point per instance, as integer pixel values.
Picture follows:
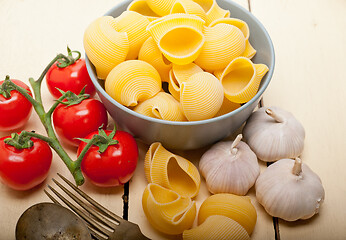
(194, 134)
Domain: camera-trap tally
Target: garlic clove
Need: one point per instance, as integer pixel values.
(290, 190)
(273, 134)
(229, 167)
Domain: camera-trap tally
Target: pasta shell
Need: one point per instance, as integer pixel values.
(238, 208)
(161, 106)
(142, 7)
(133, 81)
(104, 45)
(241, 79)
(189, 7)
(180, 74)
(243, 27)
(150, 53)
(249, 51)
(160, 7)
(223, 43)
(171, 171)
(201, 96)
(213, 10)
(179, 36)
(227, 107)
(217, 227)
(166, 210)
(135, 25)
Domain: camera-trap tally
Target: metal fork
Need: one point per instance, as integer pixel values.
(102, 223)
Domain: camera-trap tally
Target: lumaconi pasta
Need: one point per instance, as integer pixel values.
(133, 81)
(217, 227)
(238, 208)
(166, 210)
(227, 107)
(150, 53)
(134, 24)
(203, 90)
(160, 7)
(223, 43)
(249, 51)
(241, 79)
(162, 106)
(142, 7)
(213, 10)
(189, 7)
(104, 45)
(171, 171)
(179, 36)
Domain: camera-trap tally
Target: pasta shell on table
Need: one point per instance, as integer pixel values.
(189, 7)
(133, 81)
(142, 7)
(217, 227)
(227, 107)
(241, 79)
(162, 106)
(179, 36)
(104, 45)
(166, 210)
(135, 25)
(238, 208)
(223, 43)
(150, 53)
(213, 10)
(201, 96)
(161, 8)
(171, 171)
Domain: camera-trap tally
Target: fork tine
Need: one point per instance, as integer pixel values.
(92, 201)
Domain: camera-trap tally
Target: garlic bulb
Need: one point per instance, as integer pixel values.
(273, 134)
(290, 190)
(229, 167)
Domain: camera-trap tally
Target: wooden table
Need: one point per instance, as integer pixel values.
(309, 80)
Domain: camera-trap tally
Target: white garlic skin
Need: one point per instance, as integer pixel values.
(272, 140)
(226, 172)
(286, 195)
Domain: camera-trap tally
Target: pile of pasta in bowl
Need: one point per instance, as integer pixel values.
(177, 60)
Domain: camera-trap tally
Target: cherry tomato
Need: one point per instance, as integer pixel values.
(77, 121)
(115, 166)
(23, 169)
(15, 111)
(71, 78)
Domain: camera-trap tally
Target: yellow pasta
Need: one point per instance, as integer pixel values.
(142, 7)
(160, 7)
(217, 227)
(134, 24)
(166, 210)
(201, 96)
(150, 53)
(104, 45)
(227, 107)
(243, 27)
(213, 10)
(161, 106)
(249, 51)
(241, 79)
(179, 36)
(171, 171)
(238, 208)
(223, 43)
(133, 81)
(189, 7)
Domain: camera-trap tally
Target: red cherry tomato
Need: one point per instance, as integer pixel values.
(71, 78)
(77, 121)
(113, 167)
(23, 169)
(14, 111)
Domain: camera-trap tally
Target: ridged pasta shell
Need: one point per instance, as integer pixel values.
(179, 36)
(213, 10)
(238, 208)
(133, 81)
(217, 227)
(180, 74)
(227, 107)
(223, 43)
(135, 25)
(243, 27)
(162, 106)
(160, 7)
(249, 51)
(166, 210)
(171, 171)
(150, 53)
(201, 96)
(142, 7)
(241, 79)
(189, 7)
(104, 45)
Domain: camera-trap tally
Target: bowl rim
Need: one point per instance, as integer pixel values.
(189, 123)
